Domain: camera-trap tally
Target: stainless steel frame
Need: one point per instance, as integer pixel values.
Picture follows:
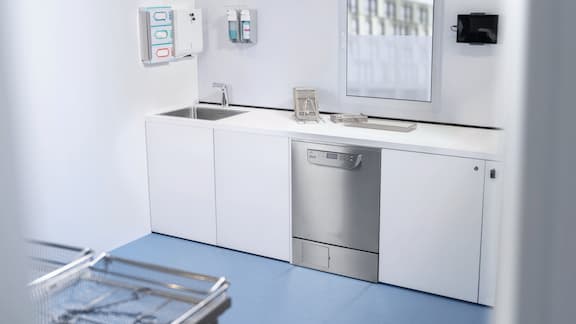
(49, 260)
(116, 290)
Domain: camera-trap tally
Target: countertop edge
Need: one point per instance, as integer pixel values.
(228, 124)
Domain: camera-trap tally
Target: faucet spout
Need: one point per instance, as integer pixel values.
(224, 89)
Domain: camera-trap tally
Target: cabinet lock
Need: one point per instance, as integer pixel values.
(493, 174)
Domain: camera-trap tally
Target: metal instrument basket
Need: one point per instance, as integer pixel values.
(48, 260)
(113, 290)
(349, 118)
(306, 105)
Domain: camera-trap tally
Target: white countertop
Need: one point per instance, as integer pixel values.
(427, 138)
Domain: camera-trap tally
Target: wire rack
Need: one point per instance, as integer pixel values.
(306, 105)
(47, 260)
(349, 118)
(113, 290)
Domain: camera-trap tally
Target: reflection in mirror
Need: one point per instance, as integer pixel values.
(389, 50)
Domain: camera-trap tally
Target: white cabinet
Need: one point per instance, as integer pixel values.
(181, 179)
(439, 222)
(253, 193)
(491, 232)
(430, 225)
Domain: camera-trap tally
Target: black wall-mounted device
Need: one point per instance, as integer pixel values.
(477, 28)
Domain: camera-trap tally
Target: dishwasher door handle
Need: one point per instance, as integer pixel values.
(345, 161)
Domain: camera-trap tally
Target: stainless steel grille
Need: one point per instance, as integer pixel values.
(113, 290)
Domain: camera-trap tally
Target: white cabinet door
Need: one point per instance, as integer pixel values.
(430, 223)
(493, 203)
(253, 193)
(181, 178)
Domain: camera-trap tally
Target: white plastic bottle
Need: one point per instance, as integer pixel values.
(233, 26)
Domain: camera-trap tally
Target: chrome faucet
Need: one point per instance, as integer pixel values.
(225, 101)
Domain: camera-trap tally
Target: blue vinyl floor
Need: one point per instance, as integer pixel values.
(270, 291)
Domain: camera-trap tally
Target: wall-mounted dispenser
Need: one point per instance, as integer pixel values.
(167, 34)
(157, 34)
(233, 20)
(241, 25)
(189, 39)
(477, 29)
(248, 26)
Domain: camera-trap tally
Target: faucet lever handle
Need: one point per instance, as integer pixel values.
(224, 89)
(219, 85)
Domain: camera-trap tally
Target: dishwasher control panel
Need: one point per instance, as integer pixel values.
(335, 159)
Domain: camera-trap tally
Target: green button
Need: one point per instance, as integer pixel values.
(161, 34)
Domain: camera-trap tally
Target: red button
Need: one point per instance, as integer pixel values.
(163, 52)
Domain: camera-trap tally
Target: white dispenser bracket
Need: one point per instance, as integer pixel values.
(188, 32)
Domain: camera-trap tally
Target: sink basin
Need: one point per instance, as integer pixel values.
(204, 113)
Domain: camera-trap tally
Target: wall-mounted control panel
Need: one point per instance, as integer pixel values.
(335, 159)
(241, 24)
(477, 29)
(167, 34)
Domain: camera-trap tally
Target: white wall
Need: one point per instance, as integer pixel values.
(539, 264)
(82, 98)
(12, 306)
(512, 93)
(299, 45)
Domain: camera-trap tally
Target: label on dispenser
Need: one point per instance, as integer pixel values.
(246, 30)
(161, 35)
(160, 16)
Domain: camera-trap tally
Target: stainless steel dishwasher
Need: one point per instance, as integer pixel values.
(336, 208)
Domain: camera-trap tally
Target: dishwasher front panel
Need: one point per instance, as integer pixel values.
(336, 195)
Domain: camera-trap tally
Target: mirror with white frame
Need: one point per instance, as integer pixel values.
(389, 49)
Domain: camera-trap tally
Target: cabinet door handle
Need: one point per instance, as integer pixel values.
(493, 174)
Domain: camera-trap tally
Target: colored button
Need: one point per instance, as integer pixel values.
(163, 52)
(160, 16)
(161, 34)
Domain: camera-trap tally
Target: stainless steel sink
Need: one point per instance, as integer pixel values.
(204, 113)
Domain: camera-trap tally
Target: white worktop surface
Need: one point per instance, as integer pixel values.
(427, 138)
